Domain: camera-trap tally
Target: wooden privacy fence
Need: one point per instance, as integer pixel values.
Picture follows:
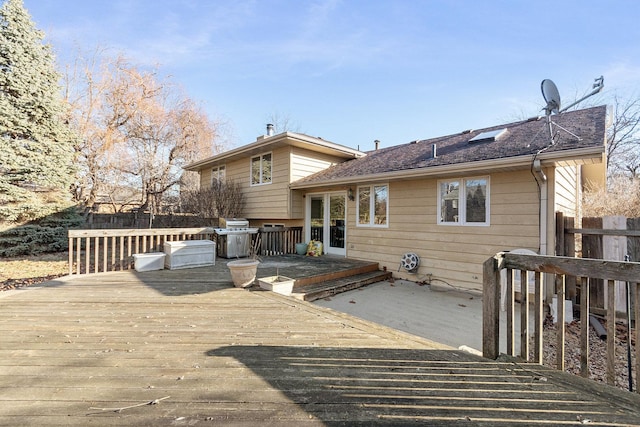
(97, 251)
(584, 271)
(610, 237)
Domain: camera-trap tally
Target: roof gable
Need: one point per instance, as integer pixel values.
(575, 132)
(264, 143)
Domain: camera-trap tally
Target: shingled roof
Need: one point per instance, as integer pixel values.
(576, 134)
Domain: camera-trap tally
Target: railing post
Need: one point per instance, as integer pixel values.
(584, 327)
(560, 322)
(524, 314)
(611, 332)
(491, 308)
(636, 312)
(538, 315)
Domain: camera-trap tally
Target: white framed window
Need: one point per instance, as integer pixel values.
(373, 205)
(218, 174)
(464, 201)
(261, 169)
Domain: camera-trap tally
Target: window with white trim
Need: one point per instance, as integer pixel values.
(261, 169)
(218, 174)
(463, 201)
(373, 205)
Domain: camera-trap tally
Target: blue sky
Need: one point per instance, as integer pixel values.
(352, 71)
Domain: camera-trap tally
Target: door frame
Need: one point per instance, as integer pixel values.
(326, 218)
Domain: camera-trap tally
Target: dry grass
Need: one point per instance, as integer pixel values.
(622, 197)
(28, 270)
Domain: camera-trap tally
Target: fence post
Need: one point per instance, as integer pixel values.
(491, 308)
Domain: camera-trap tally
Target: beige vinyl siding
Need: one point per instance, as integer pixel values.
(450, 253)
(305, 163)
(566, 188)
(269, 201)
(205, 178)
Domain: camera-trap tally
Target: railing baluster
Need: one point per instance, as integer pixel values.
(538, 346)
(129, 254)
(121, 260)
(560, 328)
(70, 256)
(105, 260)
(636, 311)
(584, 327)
(79, 249)
(96, 252)
(87, 256)
(524, 315)
(611, 332)
(510, 308)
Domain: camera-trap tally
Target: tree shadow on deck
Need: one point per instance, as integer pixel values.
(372, 386)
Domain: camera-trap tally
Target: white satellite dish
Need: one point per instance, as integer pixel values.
(551, 96)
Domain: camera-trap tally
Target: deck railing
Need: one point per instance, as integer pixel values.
(279, 240)
(97, 251)
(559, 269)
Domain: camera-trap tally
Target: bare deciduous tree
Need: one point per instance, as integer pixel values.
(223, 199)
(138, 130)
(623, 137)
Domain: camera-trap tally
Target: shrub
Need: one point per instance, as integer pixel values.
(621, 197)
(46, 235)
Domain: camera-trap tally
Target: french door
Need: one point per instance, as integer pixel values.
(326, 218)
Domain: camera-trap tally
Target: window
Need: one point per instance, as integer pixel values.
(261, 169)
(464, 201)
(218, 174)
(373, 206)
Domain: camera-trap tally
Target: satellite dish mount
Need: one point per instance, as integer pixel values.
(551, 96)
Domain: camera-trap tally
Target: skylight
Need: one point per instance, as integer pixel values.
(491, 135)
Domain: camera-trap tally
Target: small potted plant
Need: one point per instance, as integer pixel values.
(278, 284)
(243, 271)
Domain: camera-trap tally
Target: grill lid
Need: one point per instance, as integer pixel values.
(231, 223)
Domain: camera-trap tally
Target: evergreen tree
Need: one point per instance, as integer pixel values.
(36, 142)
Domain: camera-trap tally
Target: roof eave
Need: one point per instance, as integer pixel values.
(577, 156)
(290, 138)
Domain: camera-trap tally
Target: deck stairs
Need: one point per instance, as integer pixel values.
(328, 284)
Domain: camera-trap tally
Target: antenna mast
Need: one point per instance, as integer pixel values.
(552, 98)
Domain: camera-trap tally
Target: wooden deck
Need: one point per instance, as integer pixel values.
(184, 347)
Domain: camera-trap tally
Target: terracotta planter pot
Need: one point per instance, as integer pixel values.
(243, 272)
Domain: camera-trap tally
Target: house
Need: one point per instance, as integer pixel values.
(452, 201)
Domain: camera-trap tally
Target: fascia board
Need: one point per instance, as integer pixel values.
(291, 137)
(594, 153)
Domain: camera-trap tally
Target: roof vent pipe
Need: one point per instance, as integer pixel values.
(269, 129)
(434, 151)
(377, 143)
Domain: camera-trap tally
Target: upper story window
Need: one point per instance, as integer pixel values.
(261, 169)
(464, 201)
(373, 205)
(218, 174)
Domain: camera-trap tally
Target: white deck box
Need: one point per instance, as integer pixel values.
(149, 262)
(189, 253)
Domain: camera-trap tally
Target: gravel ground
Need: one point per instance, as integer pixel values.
(597, 353)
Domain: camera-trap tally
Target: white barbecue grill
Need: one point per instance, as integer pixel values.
(234, 240)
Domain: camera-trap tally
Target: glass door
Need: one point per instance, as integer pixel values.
(337, 222)
(326, 221)
(316, 224)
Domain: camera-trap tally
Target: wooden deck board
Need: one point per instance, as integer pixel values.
(226, 356)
